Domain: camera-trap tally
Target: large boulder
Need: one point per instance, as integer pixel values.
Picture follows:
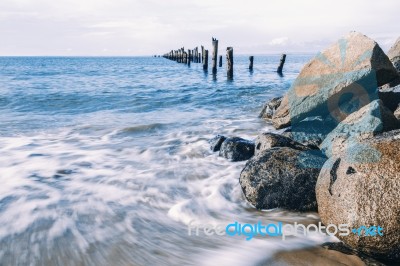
(282, 178)
(237, 149)
(267, 140)
(269, 108)
(362, 188)
(370, 120)
(337, 82)
(394, 54)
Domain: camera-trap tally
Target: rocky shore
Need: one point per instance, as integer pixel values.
(336, 149)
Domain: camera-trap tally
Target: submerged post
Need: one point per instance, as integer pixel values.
(214, 55)
(229, 62)
(251, 58)
(220, 61)
(189, 57)
(282, 62)
(205, 60)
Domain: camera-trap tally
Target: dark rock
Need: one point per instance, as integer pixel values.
(266, 141)
(394, 54)
(216, 142)
(390, 97)
(269, 108)
(337, 82)
(370, 120)
(390, 85)
(237, 149)
(310, 132)
(361, 187)
(282, 178)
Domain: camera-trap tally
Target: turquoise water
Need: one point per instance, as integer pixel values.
(105, 161)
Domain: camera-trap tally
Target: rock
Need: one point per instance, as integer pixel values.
(337, 82)
(310, 132)
(390, 97)
(282, 178)
(237, 149)
(269, 108)
(216, 142)
(390, 85)
(394, 54)
(397, 113)
(362, 188)
(266, 141)
(370, 120)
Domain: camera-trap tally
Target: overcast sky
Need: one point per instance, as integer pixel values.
(145, 27)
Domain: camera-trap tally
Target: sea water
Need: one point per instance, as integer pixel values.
(105, 161)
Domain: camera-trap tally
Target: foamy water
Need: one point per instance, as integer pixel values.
(106, 161)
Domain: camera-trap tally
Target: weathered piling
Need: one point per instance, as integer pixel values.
(214, 55)
(199, 61)
(202, 52)
(229, 62)
(281, 63)
(251, 59)
(220, 61)
(189, 57)
(205, 60)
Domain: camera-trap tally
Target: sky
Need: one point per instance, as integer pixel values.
(147, 27)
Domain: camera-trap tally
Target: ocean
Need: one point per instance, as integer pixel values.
(105, 160)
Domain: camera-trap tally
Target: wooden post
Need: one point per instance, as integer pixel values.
(229, 62)
(202, 52)
(189, 57)
(199, 58)
(220, 61)
(214, 55)
(251, 58)
(205, 60)
(282, 62)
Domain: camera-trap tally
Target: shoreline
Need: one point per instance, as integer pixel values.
(323, 146)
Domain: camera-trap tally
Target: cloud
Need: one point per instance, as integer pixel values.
(38, 27)
(279, 41)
